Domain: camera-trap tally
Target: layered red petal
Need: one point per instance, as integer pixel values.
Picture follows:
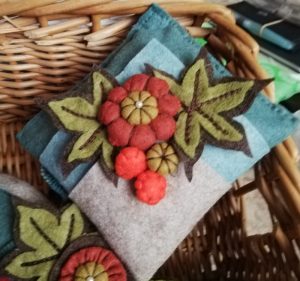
(108, 112)
(119, 132)
(137, 82)
(142, 137)
(169, 104)
(164, 127)
(157, 87)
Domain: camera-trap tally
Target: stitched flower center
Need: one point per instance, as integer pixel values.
(91, 271)
(139, 108)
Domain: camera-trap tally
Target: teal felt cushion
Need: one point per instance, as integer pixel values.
(6, 224)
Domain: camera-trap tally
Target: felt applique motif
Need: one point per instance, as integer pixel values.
(140, 112)
(150, 122)
(76, 112)
(55, 246)
(208, 110)
(162, 158)
(93, 264)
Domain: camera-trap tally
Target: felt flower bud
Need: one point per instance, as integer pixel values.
(161, 158)
(150, 187)
(130, 162)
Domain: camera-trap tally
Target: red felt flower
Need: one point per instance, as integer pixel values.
(93, 263)
(130, 162)
(150, 187)
(140, 112)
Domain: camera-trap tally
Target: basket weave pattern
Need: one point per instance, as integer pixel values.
(45, 47)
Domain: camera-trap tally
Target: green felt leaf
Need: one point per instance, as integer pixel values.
(225, 96)
(219, 128)
(46, 236)
(88, 144)
(208, 109)
(185, 90)
(76, 114)
(25, 265)
(188, 134)
(101, 86)
(107, 150)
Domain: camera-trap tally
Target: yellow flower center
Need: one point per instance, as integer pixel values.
(91, 271)
(139, 108)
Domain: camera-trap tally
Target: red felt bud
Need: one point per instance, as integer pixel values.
(130, 162)
(150, 187)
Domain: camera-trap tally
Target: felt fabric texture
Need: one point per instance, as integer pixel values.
(42, 237)
(143, 236)
(161, 158)
(76, 112)
(93, 262)
(12, 186)
(6, 223)
(36, 134)
(209, 108)
(36, 239)
(50, 157)
(261, 136)
(133, 125)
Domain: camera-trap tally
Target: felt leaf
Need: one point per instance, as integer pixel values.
(85, 146)
(101, 86)
(188, 135)
(226, 96)
(209, 107)
(31, 264)
(185, 90)
(219, 128)
(76, 114)
(46, 236)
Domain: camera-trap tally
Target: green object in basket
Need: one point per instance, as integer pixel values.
(287, 82)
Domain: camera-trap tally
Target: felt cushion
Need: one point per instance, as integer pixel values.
(260, 136)
(143, 32)
(38, 241)
(52, 153)
(145, 236)
(11, 186)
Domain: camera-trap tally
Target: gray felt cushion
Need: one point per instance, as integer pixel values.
(21, 189)
(145, 236)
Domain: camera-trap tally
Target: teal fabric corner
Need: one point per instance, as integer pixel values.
(7, 243)
(36, 134)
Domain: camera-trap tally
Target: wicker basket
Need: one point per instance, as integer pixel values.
(46, 46)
